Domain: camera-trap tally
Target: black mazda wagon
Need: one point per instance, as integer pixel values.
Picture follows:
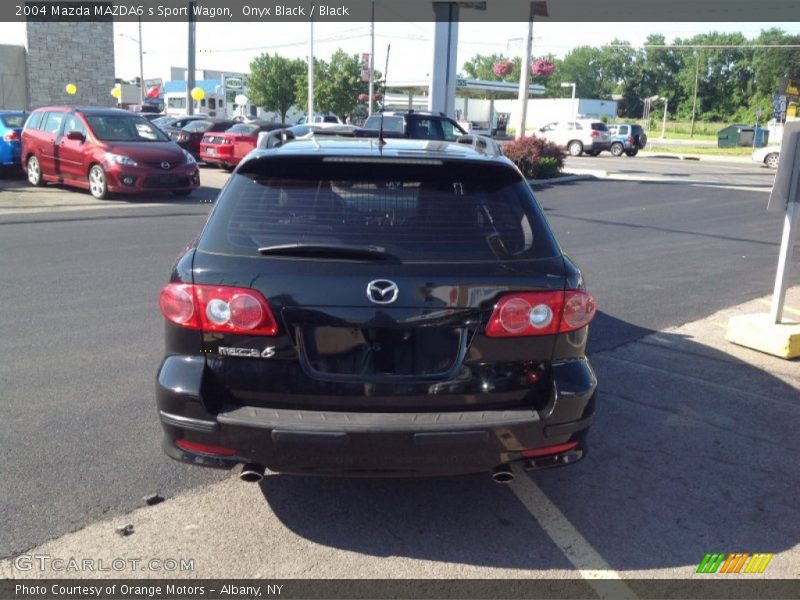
(359, 307)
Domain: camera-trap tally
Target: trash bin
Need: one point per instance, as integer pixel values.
(729, 137)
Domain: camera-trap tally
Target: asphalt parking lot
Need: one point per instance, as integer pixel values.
(694, 450)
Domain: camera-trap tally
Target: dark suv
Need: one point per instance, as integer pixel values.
(627, 138)
(412, 124)
(363, 309)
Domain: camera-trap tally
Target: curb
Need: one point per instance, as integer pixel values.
(565, 179)
(706, 157)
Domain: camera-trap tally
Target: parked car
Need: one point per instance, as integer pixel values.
(172, 126)
(228, 148)
(412, 124)
(190, 136)
(11, 123)
(626, 138)
(768, 155)
(104, 150)
(579, 136)
(376, 309)
(320, 119)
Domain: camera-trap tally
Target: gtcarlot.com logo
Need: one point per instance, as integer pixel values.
(738, 562)
(45, 562)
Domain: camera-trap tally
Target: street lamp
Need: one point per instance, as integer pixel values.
(141, 61)
(572, 85)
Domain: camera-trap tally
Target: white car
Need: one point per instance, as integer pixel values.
(579, 136)
(768, 155)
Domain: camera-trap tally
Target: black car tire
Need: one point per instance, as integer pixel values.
(617, 149)
(575, 148)
(632, 152)
(98, 184)
(34, 170)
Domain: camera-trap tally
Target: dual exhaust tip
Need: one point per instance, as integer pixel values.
(254, 472)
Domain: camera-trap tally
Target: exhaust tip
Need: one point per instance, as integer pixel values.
(502, 474)
(252, 473)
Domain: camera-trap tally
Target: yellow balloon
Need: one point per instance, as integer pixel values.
(198, 93)
(71, 88)
(116, 92)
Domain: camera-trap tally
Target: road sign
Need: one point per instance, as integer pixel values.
(234, 83)
(779, 105)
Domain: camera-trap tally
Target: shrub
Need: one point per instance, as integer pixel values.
(535, 157)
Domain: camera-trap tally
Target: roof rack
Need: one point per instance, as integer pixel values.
(481, 143)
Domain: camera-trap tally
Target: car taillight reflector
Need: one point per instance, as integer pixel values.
(11, 136)
(547, 450)
(594, 134)
(205, 448)
(177, 303)
(579, 310)
(630, 139)
(541, 313)
(222, 309)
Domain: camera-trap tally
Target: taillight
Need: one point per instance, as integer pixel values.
(630, 139)
(594, 134)
(11, 136)
(222, 309)
(541, 313)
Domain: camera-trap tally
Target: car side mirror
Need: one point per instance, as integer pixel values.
(77, 136)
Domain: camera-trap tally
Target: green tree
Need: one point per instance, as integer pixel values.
(482, 67)
(272, 83)
(337, 84)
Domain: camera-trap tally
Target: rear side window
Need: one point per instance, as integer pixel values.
(623, 130)
(12, 121)
(34, 121)
(451, 213)
(52, 122)
(391, 124)
(74, 124)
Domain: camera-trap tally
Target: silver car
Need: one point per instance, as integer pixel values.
(579, 136)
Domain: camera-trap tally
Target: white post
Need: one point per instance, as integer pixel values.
(790, 226)
(310, 114)
(442, 95)
(574, 107)
(524, 78)
(664, 122)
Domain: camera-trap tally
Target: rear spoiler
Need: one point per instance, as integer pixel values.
(274, 139)
(481, 143)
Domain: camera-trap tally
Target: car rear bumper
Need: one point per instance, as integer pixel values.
(360, 443)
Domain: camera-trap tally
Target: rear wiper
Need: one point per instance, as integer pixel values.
(328, 251)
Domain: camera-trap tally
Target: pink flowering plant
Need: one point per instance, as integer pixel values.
(503, 67)
(543, 67)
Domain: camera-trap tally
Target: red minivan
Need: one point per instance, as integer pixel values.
(104, 150)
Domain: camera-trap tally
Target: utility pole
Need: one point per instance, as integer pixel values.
(696, 78)
(190, 70)
(372, 59)
(536, 9)
(310, 115)
(141, 63)
(664, 122)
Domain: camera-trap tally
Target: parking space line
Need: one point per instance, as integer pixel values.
(572, 544)
(788, 309)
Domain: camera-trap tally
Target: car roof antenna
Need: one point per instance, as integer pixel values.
(381, 141)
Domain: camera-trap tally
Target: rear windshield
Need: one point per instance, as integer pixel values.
(599, 127)
(244, 129)
(198, 126)
(13, 121)
(390, 124)
(116, 128)
(449, 213)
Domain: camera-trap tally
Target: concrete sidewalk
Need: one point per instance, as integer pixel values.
(695, 450)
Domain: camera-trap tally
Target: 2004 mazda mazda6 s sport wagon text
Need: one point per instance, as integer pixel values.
(355, 307)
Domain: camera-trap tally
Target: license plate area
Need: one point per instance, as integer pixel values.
(369, 352)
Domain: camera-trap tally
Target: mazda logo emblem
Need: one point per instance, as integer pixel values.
(382, 291)
(165, 165)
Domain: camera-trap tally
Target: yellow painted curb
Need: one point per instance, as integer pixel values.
(760, 333)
